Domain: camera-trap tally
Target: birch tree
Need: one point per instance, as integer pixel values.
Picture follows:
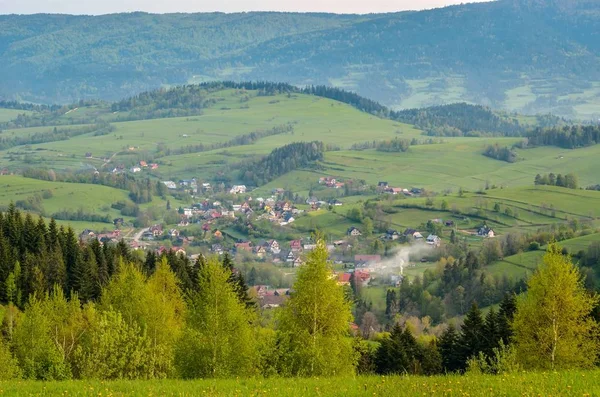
(553, 328)
(314, 324)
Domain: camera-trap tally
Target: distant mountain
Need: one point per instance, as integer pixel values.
(531, 56)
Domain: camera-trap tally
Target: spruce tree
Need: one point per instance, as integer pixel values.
(472, 338)
(506, 314)
(450, 350)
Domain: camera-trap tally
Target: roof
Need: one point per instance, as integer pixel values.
(367, 258)
(344, 277)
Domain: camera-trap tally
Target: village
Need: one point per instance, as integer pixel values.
(243, 227)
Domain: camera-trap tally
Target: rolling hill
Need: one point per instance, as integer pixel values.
(525, 55)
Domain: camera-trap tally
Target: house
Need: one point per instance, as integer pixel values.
(156, 230)
(273, 247)
(394, 190)
(244, 246)
(413, 233)
(312, 201)
(272, 301)
(344, 278)
(392, 235)
(434, 240)
(170, 185)
(217, 249)
(298, 262)
(383, 185)
(363, 260)
(174, 233)
(290, 257)
(238, 189)
(135, 169)
(354, 232)
(486, 232)
(143, 164)
(335, 202)
(296, 245)
(154, 166)
(260, 251)
(363, 277)
(218, 234)
(310, 247)
(245, 207)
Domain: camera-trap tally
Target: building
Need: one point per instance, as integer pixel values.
(434, 240)
(354, 232)
(170, 185)
(238, 189)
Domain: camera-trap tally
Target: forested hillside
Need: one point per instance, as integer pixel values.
(520, 55)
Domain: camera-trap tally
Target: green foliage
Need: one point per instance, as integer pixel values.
(10, 367)
(114, 349)
(218, 340)
(314, 324)
(552, 325)
(501, 153)
(281, 161)
(36, 352)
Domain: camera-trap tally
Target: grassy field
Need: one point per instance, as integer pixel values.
(521, 384)
(10, 114)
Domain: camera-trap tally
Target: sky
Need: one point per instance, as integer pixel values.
(97, 7)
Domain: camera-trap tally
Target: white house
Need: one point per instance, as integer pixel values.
(238, 189)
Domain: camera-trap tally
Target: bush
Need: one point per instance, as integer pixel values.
(534, 246)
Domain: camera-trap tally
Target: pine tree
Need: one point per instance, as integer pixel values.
(553, 328)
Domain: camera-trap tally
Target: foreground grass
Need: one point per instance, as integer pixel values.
(525, 384)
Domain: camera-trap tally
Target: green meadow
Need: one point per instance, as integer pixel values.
(521, 384)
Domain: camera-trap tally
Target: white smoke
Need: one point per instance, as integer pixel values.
(401, 258)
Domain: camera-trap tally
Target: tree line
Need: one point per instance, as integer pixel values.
(240, 140)
(570, 181)
(56, 134)
(567, 137)
(501, 153)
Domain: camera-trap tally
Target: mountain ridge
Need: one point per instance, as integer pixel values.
(498, 54)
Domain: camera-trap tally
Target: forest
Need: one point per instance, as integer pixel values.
(281, 161)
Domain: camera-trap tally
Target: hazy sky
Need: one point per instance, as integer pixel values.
(162, 6)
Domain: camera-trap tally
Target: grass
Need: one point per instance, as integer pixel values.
(11, 114)
(522, 384)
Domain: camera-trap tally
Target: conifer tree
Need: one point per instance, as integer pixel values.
(472, 338)
(506, 314)
(450, 350)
